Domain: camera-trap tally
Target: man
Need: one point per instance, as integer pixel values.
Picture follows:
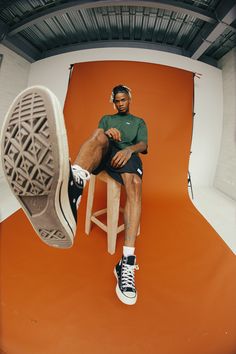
(36, 164)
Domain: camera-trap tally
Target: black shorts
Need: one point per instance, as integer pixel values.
(134, 165)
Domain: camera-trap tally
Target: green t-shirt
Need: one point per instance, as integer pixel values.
(133, 129)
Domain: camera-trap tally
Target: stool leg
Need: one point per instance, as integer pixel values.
(113, 206)
(89, 209)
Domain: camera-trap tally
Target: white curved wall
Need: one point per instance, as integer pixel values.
(53, 72)
(225, 178)
(14, 75)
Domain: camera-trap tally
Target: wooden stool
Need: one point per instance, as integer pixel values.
(113, 208)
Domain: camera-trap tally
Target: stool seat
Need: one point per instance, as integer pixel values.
(112, 210)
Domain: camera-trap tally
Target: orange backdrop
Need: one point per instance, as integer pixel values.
(63, 301)
(161, 95)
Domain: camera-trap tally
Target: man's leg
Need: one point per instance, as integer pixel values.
(90, 155)
(92, 151)
(125, 269)
(132, 212)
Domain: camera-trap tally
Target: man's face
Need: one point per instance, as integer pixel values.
(121, 102)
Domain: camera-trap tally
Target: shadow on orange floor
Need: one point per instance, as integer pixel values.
(63, 301)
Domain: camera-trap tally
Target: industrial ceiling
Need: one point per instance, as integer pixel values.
(204, 30)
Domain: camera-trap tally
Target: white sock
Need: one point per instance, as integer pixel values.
(128, 251)
(79, 172)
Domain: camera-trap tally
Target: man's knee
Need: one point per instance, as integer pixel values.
(136, 181)
(133, 183)
(100, 137)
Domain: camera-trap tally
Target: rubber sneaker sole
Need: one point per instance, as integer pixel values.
(122, 297)
(35, 160)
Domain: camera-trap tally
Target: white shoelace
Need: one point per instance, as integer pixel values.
(79, 173)
(128, 275)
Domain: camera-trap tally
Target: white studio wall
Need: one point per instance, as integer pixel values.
(225, 178)
(53, 72)
(14, 75)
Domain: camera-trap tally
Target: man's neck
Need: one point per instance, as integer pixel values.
(123, 114)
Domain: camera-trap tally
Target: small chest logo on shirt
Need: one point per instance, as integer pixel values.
(127, 122)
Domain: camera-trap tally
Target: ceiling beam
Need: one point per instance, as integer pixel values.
(3, 30)
(124, 44)
(115, 44)
(225, 14)
(23, 48)
(210, 61)
(5, 3)
(71, 5)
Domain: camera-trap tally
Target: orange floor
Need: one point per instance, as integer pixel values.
(63, 301)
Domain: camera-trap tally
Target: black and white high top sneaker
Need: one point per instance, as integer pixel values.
(35, 160)
(125, 275)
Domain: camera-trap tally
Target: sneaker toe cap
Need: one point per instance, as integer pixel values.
(130, 294)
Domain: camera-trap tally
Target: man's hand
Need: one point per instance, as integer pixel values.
(121, 157)
(114, 134)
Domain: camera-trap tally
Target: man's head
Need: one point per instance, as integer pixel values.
(121, 96)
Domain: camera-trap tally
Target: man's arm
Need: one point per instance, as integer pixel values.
(113, 133)
(122, 156)
(139, 147)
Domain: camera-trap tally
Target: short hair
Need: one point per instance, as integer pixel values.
(120, 89)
